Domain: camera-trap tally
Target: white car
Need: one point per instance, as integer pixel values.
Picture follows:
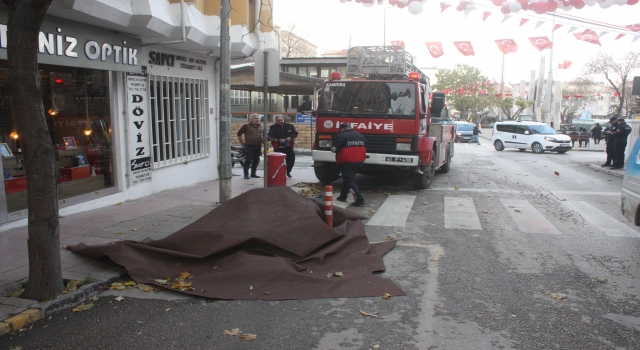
(538, 137)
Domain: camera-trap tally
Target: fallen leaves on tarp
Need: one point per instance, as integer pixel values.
(117, 286)
(364, 313)
(309, 190)
(236, 332)
(558, 296)
(336, 274)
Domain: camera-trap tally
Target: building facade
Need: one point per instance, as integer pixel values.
(131, 91)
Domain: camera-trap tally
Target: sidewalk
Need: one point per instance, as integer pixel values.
(155, 216)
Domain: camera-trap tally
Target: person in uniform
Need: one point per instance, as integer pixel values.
(609, 140)
(282, 136)
(619, 135)
(252, 143)
(350, 155)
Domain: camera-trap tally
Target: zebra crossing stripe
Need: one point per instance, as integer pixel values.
(460, 214)
(528, 219)
(604, 222)
(393, 212)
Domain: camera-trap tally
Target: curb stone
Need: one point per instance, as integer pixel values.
(619, 174)
(66, 301)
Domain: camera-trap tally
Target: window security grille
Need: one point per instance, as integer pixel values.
(179, 123)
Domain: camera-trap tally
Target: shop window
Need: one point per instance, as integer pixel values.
(313, 72)
(324, 73)
(304, 71)
(261, 98)
(291, 70)
(239, 97)
(179, 124)
(76, 104)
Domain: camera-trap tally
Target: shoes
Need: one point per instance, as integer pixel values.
(359, 203)
(341, 199)
(288, 174)
(606, 164)
(246, 176)
(254, 176)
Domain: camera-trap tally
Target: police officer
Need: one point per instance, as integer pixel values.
(350, 154)
(619, 134)
(608, 139)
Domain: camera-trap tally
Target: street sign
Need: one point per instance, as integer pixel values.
(305, 118)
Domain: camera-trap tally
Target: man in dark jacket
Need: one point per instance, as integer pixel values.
(350, 154)
(619, 135)
(609, 140)
(475, 136)
(596, 132)
(282, 136)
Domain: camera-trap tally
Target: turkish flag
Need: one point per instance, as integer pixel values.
(507, 45)
(464, 47)
(435, 49)
(633, 27)
(541, 42)
(589, 36)
(397, 44)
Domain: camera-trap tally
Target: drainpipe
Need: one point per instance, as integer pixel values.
(183, 39)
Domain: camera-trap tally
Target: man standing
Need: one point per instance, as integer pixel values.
(596, 132)
(475, 136)
(350, 154)
(282, 136)
(619, 134)
(609, 140)
(252, 144)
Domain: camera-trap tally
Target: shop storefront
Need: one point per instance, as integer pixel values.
(79, 69)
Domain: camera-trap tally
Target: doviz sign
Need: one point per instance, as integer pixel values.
(71, 44)
(138, 130)
(305, 118)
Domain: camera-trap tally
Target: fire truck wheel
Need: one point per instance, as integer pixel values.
(327, 172)
(423, 181)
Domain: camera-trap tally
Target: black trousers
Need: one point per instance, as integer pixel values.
(610, 157)
(349, 171)
(252, 158)
(618, 153)
(291, 156)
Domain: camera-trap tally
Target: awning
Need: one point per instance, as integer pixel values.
(242, 78)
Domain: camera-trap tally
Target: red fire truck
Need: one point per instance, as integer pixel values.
(389, 101)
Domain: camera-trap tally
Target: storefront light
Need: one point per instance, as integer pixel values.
(87, 132)
(14, 135)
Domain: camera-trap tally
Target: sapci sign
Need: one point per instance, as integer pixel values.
(138, 130)
(171, 60)
(72, 44)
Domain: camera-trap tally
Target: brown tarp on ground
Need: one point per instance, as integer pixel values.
(268, 244)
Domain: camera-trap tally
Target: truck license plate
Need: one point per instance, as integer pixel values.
(399, 159)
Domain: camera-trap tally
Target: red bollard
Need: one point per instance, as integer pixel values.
(328, 205)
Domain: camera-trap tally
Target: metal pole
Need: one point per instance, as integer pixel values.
(547, 101)
(264, 127)
(224, 169)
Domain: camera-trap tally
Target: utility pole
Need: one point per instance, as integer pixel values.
(224, 167)
(266, 103)
(547, 103)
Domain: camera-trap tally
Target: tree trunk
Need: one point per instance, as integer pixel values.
(23, 28)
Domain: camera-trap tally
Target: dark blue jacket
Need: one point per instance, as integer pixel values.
(620, 133)
(349, 147)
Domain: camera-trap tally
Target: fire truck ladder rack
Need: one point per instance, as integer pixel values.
(381, 62)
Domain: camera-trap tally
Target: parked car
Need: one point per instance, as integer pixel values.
(630, 201)
(464, 131)
(538, 137)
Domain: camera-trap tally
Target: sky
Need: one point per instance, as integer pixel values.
(331, 24)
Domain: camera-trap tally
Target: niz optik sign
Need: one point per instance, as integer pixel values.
(71, 44)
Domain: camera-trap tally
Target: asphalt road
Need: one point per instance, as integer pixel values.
(479, 255)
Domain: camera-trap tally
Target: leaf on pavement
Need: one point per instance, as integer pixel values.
(486, 211)
(363, 313)
(178, 264)
(460, 205)
(119, 203)
(389, 238)
(558, 296)
(73, 285)
(430, 224)
(556, 173)
(17, 293)
(118, 232)
(117, 286)
(518, 211)
(602, 280)
(425, 203)
(248, 336)
(329, 275)
(435, 259)
(233, 332)
(456, 188)
(144, 287)
(130, 284)
(162, 281)
(83, 307)
(385, 296)
(119, 298)
(338, 274)
(372, 211)
(134, 229)
(519, 252)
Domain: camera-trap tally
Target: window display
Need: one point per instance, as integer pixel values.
(76, 101)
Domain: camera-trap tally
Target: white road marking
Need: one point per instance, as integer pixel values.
(601, 220)
(489, 190)
(528, 219)
(393, 212)
(342, 205)
(587, 193)
(460, 213)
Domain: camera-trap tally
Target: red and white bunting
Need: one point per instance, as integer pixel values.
(435, 49)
